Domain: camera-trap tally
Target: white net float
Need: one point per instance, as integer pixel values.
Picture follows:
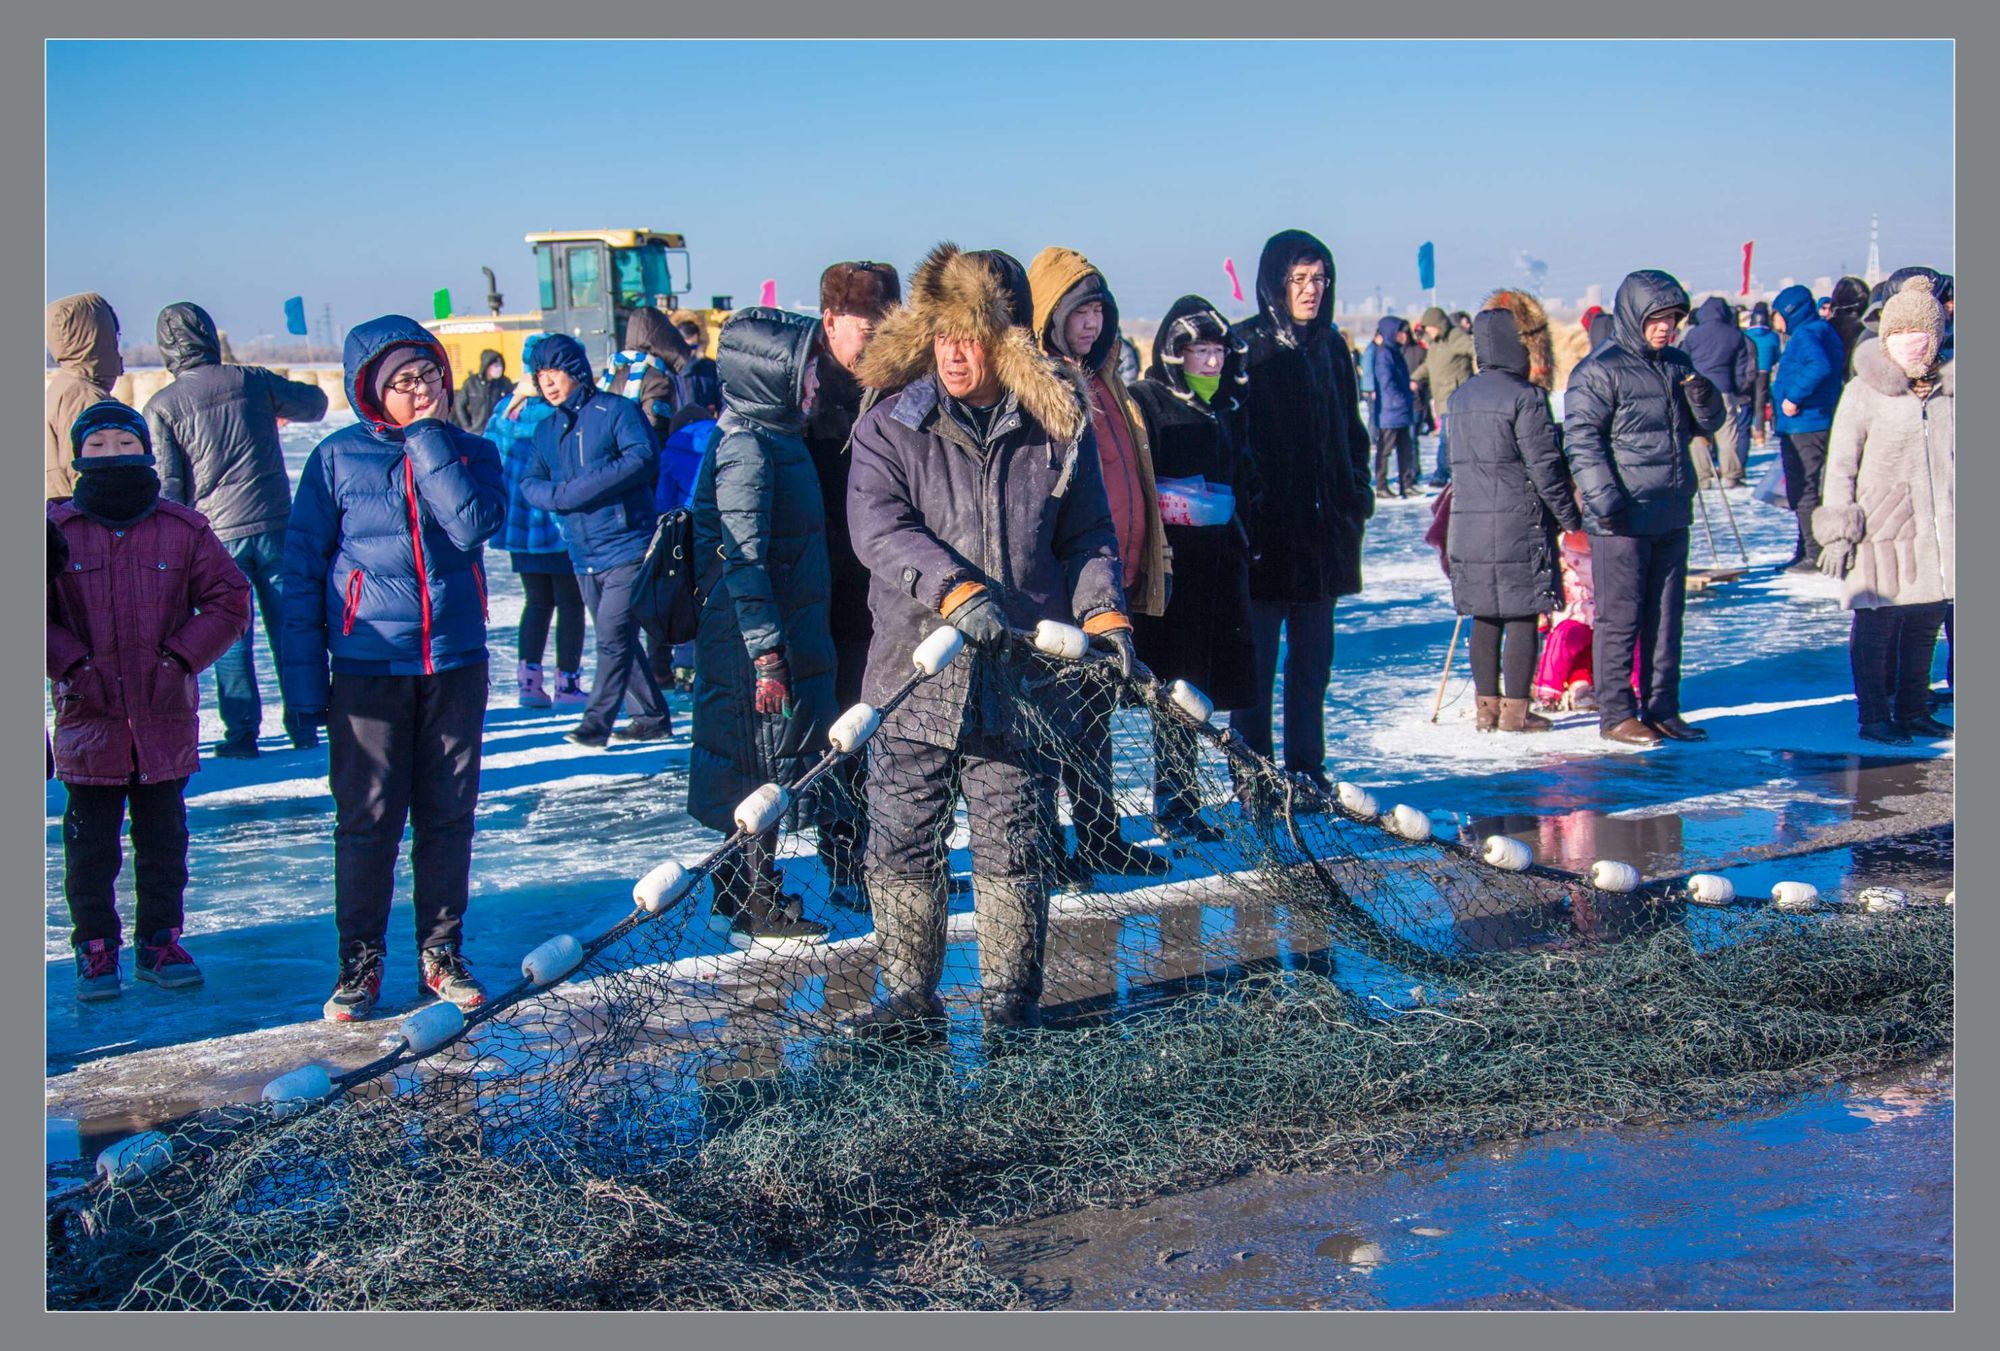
(1708, 889)
(1795, 896)
(1356, 800)
(1883, 900)
(1408, 822)
(1504, 851)
(553, 960)
(1950, 897)
(429, 1028)
(761, 810)
(1064, 641)
(1191, 701)
(1609, 874)
(661, 887)
(852, 729)
(295, 1090)
(939, 650)
(134, 1157)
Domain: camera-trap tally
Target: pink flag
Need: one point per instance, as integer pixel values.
(1746, 265)
(770, 296)
(1235, 286)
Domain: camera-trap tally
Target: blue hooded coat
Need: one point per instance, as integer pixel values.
(1719, 350)
(1394, 404)
(594, 465)
(384, 570)
(1812, 369)
(529, 530)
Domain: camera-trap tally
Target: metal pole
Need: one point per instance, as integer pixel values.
(1701, 501)
(1451, 650)
(1723, 490)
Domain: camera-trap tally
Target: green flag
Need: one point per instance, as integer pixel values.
(441, 303)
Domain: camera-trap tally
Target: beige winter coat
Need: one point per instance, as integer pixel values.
(83, 338)
(1889, 487)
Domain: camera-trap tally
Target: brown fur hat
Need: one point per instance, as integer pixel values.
(965, 295)
(864, 289)
(1533, 322)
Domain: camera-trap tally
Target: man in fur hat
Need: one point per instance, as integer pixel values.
(853, 299)
(975, 499)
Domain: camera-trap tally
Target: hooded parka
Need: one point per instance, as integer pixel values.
(648, 369)
(1510, 489)
(82, 334)
(1306, 439)
(215, 429)
(482, 393)
(760, 541)
(1448, 361)
(1811, 369)
(1719, 350)
(594, 465)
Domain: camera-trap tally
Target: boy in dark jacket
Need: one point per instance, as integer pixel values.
(1805, 390)
(215, 432)
(1630, 411)
(596, 468)
(385, 584)
(147, 598)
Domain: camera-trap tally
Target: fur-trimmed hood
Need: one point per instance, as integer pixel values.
(962, 294)
(1531, 323)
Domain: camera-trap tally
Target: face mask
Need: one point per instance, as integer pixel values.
(1911, 351)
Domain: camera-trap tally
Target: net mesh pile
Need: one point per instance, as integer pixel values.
(682, 1124)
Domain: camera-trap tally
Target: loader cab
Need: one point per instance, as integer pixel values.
(590, 281)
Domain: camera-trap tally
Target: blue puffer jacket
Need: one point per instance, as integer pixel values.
(1811, 371)
(1393, 407)
(680, 464)
(383, 554)
(594, 466)
(529, 530)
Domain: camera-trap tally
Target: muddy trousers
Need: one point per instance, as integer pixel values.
(1499, 643)
(403, 749)
(1891, 647)
(93, 821)
(1641, 597)
(912, 787)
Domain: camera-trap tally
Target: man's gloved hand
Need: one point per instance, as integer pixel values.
(979, 619)
(1120, 643)
(774, 684)
(1836, 557)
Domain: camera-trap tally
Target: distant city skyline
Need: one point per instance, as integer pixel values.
(1530, 164)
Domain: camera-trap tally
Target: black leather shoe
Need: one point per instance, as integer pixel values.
(1885, 732)
(1678, 728)
(642, 731)
(1927, 728)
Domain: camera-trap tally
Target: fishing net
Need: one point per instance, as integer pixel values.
(656, 1118)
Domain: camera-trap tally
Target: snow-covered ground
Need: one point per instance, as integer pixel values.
(563, 831)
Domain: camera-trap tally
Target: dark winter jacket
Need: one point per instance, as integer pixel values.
(1510, 488)
(511, 429)
(215, 429)
(1306, 439)
(1204, 637)
(1395, 405)
(481, 394)
(384, 567)
(1850, 302)
(649, 369)
(1719, 350)
(760, 540)
(1812, 369)
(826, 433)
(1628, 415)
(594, 465)
(134, 615)
(701, 382)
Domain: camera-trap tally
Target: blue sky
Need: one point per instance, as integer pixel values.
(367, 174)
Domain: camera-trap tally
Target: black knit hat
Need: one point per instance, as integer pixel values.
(108, 413)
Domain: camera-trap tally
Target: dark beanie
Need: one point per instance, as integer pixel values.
(864, 289)
(1013, 280)
(108, 413)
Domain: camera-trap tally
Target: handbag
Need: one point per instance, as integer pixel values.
(666, 595)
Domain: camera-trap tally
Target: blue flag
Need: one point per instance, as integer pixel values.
(295, 315)
(1426, 265)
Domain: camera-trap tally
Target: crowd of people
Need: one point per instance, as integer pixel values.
(975, 453)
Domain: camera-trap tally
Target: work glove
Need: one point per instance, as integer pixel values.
(980, 620)
(1836, 557)
(774, 684)
(1120, 643)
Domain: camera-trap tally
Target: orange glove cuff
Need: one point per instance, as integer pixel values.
(1108, 622)
(959, 595)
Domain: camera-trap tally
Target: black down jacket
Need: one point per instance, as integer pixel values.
(1306, 438)
(215, 429)
(1204, 637)
(1510, 489)
(760, 539)
(1628, 416)
(827, 433)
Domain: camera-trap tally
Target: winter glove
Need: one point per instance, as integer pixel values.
(980, 621)
(1836, 557)
(774, 684)
(1120, 643)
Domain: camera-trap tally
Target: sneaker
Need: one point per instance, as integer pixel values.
(235, 750)
(165, 963)
(783, 927)
(97, 971)
(643, 731)
(354, 995)
(445, 976)
(569, 688)
(529, 691)
(583, 736)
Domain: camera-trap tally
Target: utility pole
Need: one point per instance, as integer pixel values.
(1874, 273)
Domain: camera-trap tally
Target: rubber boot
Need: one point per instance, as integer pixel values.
(1011, 918)
(909, 954)
(528, 687)
(1516, 717)
(1486, 716)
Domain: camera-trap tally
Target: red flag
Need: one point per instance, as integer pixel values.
(1746, 265)
(1235, 286)
(770, 296)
